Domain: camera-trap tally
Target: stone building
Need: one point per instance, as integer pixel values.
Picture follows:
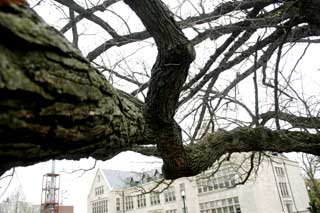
(275, 186)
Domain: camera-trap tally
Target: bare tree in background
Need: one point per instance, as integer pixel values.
(16, 203)
(311, 168)
(190, 104)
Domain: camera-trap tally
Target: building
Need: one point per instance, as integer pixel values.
(276, 187)
(65, 209)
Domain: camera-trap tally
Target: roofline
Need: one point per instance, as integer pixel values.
(92, 183)
(99, 170)
(105, 178)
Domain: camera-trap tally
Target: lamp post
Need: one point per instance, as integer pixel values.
(183, 196)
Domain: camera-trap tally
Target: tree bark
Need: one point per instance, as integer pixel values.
(248, 139)
(53, 103)
(168, 75)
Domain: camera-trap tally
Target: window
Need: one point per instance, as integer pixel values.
(157, 175)
(182, 187)
(238, 210)
(229, 205)
(99, 190)
(171, 211)
(100, 206)
(236, 200)
(202, 186)
(141, 199)
(289, 207)
(129, 202)
(232, 179)
(118, 204)
(221, 182)
(279, 171)
(134, 182)
(224, 178)
(213, 183)
(283, 189)
(154, 198)
(169, 195)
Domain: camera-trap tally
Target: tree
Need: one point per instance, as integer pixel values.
(16, 203)
(310, 166)
(55, 104)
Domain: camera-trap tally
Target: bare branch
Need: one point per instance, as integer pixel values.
(74, 6)
(101, 7)
(295, 121)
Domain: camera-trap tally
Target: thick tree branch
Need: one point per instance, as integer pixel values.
(58, 106)
(295, 121)
(53, 103)
(247, 140)
(168, 74)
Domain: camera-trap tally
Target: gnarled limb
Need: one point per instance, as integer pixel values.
(168, 75)
(247, 139)
(295, 121)
(53, 103)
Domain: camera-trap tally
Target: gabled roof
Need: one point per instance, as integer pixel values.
(124, 179)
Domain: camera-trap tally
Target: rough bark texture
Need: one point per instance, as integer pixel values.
(251, 139)
(55, 105)
(168, 75)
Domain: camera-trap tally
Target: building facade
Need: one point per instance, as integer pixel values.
(277, 186)
(65, 209)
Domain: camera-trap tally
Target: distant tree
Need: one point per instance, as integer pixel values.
(16, 203)
(311, 168)
(313, 208)
(190, 110)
